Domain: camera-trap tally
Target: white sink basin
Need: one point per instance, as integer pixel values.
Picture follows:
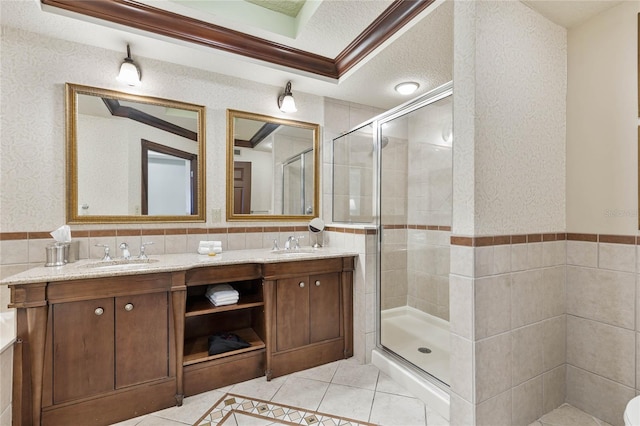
(121, 264)
(294, 252)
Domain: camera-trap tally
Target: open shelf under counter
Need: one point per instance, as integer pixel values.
(197, 349)
(202, 306)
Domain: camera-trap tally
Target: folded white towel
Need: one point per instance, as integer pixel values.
(221, 290)
(223, 299)
(224, 294)
(222, 302)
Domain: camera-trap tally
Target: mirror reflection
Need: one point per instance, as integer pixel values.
(272, 168)
(132, 158)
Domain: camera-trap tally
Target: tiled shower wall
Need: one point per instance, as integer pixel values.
(603, 333)
(428, 271)
(508, 328)
(393, 267)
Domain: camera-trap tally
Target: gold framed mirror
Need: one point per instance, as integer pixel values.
(133, 158)
(272, 168)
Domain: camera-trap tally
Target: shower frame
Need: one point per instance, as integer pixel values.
(429, 387)
(428, 98)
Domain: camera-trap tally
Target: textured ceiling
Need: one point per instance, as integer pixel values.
(569, 13)
(326, 29)
(286, 7)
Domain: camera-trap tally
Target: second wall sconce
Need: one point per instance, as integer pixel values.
(129, 71)
(286, 103)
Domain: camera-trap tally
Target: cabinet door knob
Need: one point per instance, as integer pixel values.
(99, 311)
(301, 284)
(318, 283)
(128, 307)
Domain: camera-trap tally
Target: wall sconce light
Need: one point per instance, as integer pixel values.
(129, 71)
(286, 103)
(407, 88)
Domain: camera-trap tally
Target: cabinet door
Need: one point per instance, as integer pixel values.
(82, 349)
(292, 313)
(324, 307)
(142, 339)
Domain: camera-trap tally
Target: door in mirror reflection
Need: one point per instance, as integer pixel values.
(272, 167)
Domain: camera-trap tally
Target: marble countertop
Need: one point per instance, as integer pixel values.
(94, 268)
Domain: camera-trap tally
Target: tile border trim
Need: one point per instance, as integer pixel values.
(126, 232)
(496, 240)
(418, 227)
(132, 232)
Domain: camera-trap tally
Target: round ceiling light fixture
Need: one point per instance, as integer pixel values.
(407, 88)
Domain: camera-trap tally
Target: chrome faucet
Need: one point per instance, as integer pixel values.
(292, 243)
(142, 254)
(106, 257)
(287, 244)
(125, 251)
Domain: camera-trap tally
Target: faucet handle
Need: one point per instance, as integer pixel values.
(106, 256)
(275, 245)
(297, 241)
(142, 254)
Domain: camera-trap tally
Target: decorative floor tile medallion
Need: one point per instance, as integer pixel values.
(233, 410)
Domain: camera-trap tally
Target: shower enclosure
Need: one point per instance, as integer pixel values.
(395, 171)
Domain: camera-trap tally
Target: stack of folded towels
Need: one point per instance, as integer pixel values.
(222, 294)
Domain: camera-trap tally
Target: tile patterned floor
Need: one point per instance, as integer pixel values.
(240, 410)
(343, 389)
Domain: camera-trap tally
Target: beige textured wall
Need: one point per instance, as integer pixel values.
(509, 120)
(602, 198)
(602, 123)
(34, 69)
(509, 173)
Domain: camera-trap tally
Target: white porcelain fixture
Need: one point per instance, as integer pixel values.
(632, 412)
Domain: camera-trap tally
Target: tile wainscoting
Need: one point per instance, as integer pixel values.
(542, 319)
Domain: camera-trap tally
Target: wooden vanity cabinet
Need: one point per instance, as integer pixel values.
(307, 310)
(311, 315)
(203, 372)
(102, 350)
(107, 351)
(101, 345)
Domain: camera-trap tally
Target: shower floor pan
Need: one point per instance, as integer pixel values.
(410, 333)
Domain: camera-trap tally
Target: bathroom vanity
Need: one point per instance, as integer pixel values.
(104, 344)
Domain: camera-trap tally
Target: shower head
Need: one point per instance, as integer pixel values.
(384, 141)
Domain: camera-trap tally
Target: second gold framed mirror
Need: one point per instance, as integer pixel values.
(272, 168)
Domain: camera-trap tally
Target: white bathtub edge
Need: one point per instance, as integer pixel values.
(433, 396)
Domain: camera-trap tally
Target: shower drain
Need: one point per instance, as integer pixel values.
(424, 350)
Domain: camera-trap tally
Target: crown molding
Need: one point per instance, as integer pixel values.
(158, 21)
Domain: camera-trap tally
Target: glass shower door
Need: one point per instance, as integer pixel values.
(415, 196)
